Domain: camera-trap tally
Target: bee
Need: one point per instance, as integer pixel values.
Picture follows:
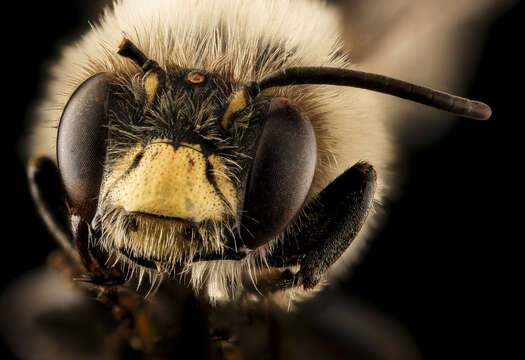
(227, 145)
(217, 149)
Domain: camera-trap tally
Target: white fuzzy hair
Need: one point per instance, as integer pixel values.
(224, 36)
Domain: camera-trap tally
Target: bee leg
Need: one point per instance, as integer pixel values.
(49, 196)
(50, 199)
(334, 219)
(98, 274)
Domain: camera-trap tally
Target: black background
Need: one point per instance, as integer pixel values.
(442, 265)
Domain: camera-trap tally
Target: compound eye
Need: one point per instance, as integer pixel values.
(281, 175)
(81, 143)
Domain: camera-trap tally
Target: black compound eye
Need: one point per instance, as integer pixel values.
(81, 143)
(282, 173)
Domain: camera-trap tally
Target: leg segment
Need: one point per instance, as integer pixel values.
(50, 198)
(334, 218)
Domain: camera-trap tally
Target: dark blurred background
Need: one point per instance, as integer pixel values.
(441, 266)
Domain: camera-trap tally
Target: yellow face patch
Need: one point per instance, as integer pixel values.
(151, 84)
(238, 102)
(173, 182)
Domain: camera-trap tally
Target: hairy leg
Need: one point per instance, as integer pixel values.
(333, 220)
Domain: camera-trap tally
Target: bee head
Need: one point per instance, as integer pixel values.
(172, 164)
